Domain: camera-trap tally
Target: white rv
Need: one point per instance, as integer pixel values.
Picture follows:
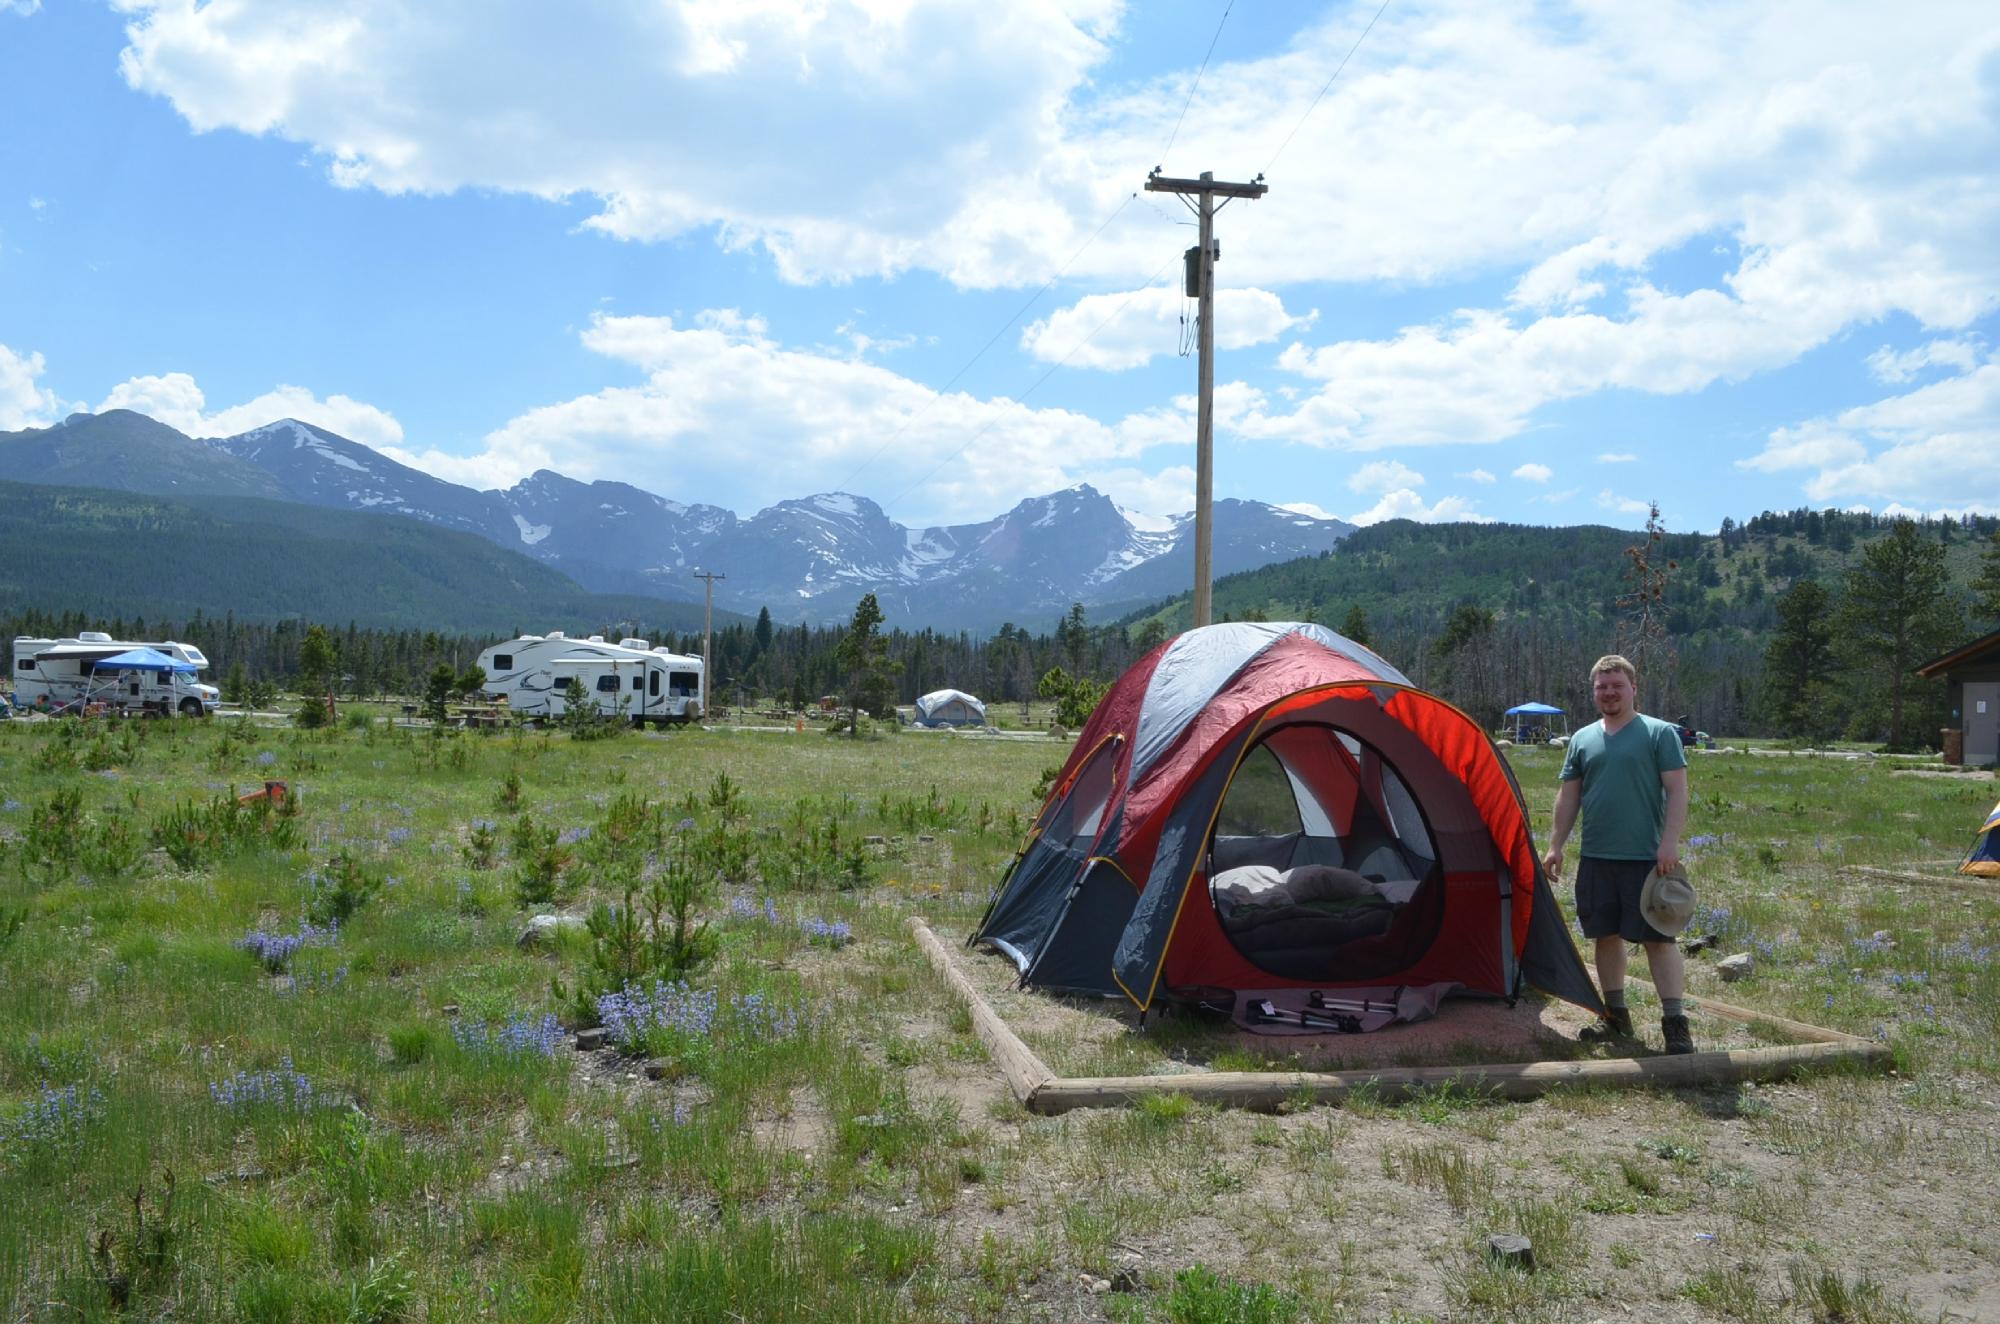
(64, 674)
(630, 678)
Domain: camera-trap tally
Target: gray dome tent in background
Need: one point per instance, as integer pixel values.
(950, 708)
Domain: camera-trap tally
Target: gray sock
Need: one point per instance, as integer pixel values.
(1614, 998)
(1670, 1007)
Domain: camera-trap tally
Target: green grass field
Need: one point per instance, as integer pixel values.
(293, 1064)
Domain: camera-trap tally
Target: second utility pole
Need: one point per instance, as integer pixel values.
(1201, 268)
(707, 620)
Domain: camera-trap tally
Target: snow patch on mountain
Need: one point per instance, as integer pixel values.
(532, 533)
(336, 457)
(923, 548)
(1119, 561)
(1145, 523)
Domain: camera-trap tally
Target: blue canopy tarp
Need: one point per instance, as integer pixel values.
(1537, 709)
(142, 659)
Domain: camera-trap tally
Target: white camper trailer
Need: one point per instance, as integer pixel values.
(630, 678)
(61, 675)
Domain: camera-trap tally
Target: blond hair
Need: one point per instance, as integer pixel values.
(1615, 662)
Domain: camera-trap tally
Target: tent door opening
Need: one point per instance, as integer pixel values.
(1321, 863)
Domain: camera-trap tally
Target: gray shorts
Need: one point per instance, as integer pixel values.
(1607, 899)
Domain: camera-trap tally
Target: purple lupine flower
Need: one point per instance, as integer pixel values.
(758, 1017)
(570, 836)
(827, 933)
(520, 1036)
(630, 1014)
(266, 759)
(276, 950)
(285, 1088)
(54, 1119)
(399, 835)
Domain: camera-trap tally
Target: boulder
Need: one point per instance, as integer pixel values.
(1733, 968)
(541, 927)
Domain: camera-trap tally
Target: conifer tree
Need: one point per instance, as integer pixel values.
(1986, 584)
(1799, 664)
(1896, 613)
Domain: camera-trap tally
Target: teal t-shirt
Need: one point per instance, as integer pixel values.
(1624, 805)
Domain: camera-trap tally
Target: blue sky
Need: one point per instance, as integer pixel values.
(1540, 263)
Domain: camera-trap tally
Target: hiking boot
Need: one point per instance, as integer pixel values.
(1679, 1038)
(1616, 1025)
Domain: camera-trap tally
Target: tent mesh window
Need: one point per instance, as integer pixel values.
(1321, 865)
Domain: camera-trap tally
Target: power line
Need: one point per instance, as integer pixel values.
(939, 394)
(1053, 367)
(1323, 91)
(1175, 135)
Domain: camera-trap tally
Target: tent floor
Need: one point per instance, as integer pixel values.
(1480, 1046)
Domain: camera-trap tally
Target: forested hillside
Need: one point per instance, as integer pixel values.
(1493, 614)
(1805, 623)
(114, 554)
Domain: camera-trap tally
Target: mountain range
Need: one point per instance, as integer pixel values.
(807, 560)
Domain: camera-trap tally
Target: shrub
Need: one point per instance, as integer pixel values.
(193, 835)
(49, 842)
(340, 889)
(540, 857)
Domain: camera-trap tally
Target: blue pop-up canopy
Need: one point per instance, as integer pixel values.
(142, 659)
(1536, 709)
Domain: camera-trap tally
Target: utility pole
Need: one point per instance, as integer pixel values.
(1200, 282)
(707, 627)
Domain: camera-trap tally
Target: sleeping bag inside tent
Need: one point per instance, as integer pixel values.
(1273, 817)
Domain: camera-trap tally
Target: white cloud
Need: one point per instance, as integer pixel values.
(1617, 457)
(1930, 449)
(846, 139)
(1167, 493)
(1888, 365)
(1384, 476)
(860, 344)
(1624, 505)
(986, 142)
(21, 7)
(1117, 331)
(1480, 476)
(727, 414)
(1405, 504)
(1308, 509)
(1534, 473)
(174, 399)
(1811, 446)
(23, 404)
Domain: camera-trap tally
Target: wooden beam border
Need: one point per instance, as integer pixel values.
(1040, 1090)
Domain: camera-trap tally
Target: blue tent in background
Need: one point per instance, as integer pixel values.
(1532, 722)
(142, 659)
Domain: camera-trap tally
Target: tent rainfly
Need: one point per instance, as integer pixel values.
(1983, 860)
(1273, 818)
(950, 708)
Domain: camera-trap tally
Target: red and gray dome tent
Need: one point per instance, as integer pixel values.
(1280, 755)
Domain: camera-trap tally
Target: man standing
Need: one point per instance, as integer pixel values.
(1627, 773)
